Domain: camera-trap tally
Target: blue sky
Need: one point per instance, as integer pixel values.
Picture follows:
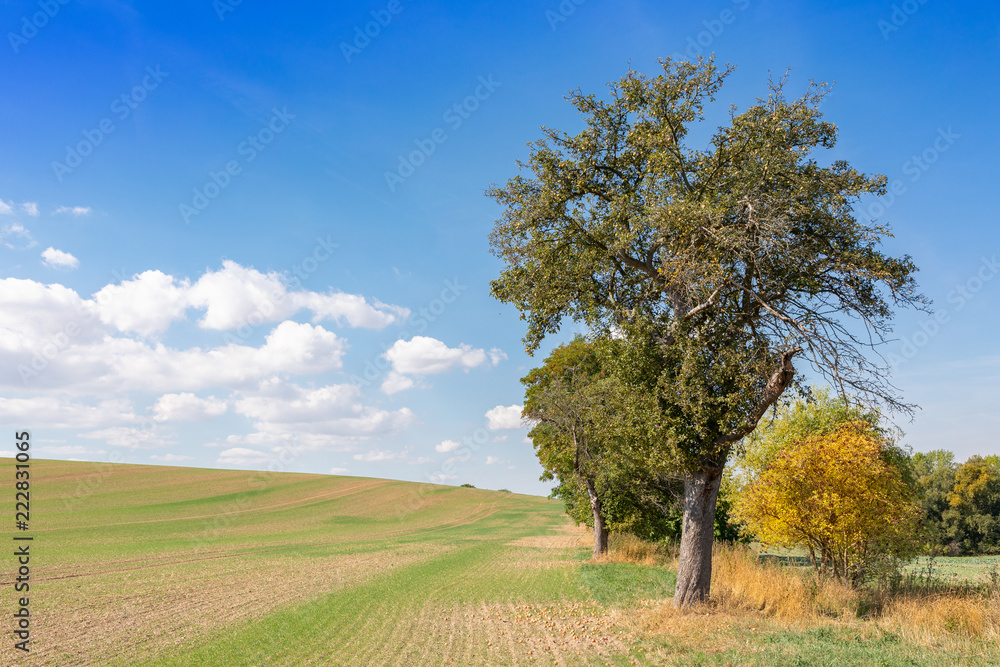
(242, 235)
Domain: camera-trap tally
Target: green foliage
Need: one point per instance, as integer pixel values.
(974, 500)
(718, 265)
(822, 413)
(466, 486)
(837, 496)
(934, 473)
(721, 264)
(961, 503)
(591, 432)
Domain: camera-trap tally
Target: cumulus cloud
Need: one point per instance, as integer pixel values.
(422, 355)
(57, 412)
(187, 407)
(121, 364)
(30, 208)
(233, 297)
(493, 460)
(504, 417)
(75, 211)
(59, 259)
(339, 471)
(447, 446)
(6, 207)
(395, 382)
(146, 304)
(332, 417)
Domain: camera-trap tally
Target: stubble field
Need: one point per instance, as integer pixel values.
(148, 565)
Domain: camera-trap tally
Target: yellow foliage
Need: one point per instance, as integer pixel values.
(836, 496)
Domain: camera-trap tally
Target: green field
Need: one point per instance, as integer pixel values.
(147, 565)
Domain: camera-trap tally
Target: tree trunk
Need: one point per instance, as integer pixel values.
(694, 573)
(600, 530)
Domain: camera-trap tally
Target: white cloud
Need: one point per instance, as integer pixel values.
(380, 456)
(57, 412)
(30, 207)
(233, 297)
(493, 460)
(6, 208)
(76, 211)
(146, 304)
(119, 364)
(355, 309)
(16, 229)
(71, 450)
(130, 438)
(170, 458)
(425, 356)
(339, 471)
(187, 407)
(497, 355)
(328, 417)
(447, 446)
(237, 295)
(502, 417)
(395, 382)
(440, 478)
(59, 259)
(422, 355)
(241, 456)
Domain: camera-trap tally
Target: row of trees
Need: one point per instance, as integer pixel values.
(822, 474)
(704, 272)
(961, 502)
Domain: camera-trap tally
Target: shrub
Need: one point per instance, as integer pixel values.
(838, 497)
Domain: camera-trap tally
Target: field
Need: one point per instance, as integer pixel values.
(147, 565)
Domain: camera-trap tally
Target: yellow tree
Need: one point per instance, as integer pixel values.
(837, 496)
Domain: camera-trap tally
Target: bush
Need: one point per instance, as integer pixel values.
(838, 497)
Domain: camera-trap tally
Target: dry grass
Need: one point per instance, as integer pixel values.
(742, 583)
(746, 592)
(631, 549)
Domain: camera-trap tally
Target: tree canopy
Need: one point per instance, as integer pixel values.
(718, 265)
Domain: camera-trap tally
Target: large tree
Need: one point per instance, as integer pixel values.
(718, 265)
